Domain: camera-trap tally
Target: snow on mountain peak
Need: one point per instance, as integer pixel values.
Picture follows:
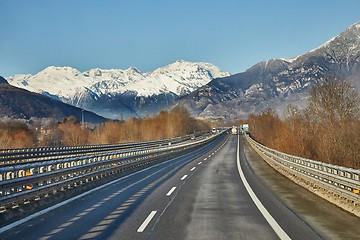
(327, 43)
(54, 70)
(289, 60)
(133, 69)
(351, 34)
(355, 26)
(180, 77)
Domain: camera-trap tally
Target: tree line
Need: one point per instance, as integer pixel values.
(70, 132)
(326, 130)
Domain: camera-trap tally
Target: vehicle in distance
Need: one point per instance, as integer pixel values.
(234, 130)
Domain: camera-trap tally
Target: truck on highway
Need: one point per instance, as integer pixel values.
(234, 130)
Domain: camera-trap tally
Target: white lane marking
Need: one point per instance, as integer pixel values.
(171, 191)
(46, 210)
(209, 156)
(275, 226)
(192, 169)
(199, 163)
(183, 178)
(205, 159)
(212, 153)
(146, 222)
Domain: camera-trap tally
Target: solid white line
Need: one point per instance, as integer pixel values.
(192, 169)
(183, 178)
(199, 163)
(146, 222)
(171, 191)
(275, 226)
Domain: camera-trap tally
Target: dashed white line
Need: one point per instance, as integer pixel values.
(171, 191)
(199, 163)
(46, 210)
(275, 226)
(192, 169)
(183, 178)
(146, 222)
(205, 159)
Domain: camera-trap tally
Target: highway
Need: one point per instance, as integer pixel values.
(200, 195)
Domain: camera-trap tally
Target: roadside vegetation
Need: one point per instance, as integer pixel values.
(70, 132)
(328, 130)
(15, 134)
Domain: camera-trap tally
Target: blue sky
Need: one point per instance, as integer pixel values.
(232, 34)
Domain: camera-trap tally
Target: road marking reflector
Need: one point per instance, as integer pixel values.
(146, 222)
(183, 178)
(171, 191)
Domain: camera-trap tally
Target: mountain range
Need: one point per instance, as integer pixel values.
(278, 82)
(203, 88)
(120, 93)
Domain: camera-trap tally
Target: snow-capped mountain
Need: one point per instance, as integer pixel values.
(278, 82)
(119, 93)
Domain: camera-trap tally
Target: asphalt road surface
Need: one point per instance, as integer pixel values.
(222, 191)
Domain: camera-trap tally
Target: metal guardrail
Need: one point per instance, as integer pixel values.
(29, 181)
(25, 155)
(340, 180)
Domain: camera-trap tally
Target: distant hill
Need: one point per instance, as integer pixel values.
(3, 80)
(20, 103)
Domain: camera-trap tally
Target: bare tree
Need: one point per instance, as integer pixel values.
(74, 134)
(333, 113)
(332, 101)
(15, 134)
